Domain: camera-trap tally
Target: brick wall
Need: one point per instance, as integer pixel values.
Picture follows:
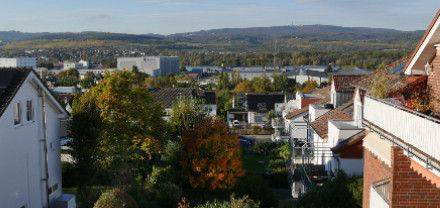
(374, 170)
(434, 83)
(410, 189)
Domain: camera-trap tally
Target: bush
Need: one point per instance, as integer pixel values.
(88, 195)
(256, 188)
(68, 173)
(168, 194)
(160, 175)
(244, 202)
(279, 180)
(338, 192)
(115, 198)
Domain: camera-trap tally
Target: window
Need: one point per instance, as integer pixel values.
(17, 114)
(29, 111)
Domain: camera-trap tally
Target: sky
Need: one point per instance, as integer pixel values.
(175, 16)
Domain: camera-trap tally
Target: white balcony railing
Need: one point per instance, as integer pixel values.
(413, 128)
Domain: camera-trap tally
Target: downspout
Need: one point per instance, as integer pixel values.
(44, 141)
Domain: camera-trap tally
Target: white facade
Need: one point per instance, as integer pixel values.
(22, 62)
(22, 145)
(152, 65)
(69, 65)
(83, 64)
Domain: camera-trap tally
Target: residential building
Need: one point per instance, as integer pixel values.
(168, 97)
(292, 123)
(251, 108)
(401, 149)
(82, 64)
(30, 126)
(20, 62)
(152, 65)
(69, 65)
(342, 89)
(319, 74)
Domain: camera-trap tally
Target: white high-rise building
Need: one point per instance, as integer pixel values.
(152, 65)
(19, 62)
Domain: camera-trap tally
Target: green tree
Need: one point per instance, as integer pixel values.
(88, 81)
(280, 83)
(68, 77)
(129, 128)
(261, 84)
(186, 113)
(224, 102)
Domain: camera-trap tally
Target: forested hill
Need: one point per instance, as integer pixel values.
(320, 32)
(8, 36)
(252, 35)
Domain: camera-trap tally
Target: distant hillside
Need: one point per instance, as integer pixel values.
(251, 35)
(321, 32)
(8, 36)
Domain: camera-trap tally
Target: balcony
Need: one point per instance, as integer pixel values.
(417, 133)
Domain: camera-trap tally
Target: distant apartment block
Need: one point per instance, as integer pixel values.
(20, 62)
(152, 65)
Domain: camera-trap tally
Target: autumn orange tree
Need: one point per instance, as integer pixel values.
(211, 157)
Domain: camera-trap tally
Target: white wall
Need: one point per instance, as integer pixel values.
(376, 201)
(21, 158)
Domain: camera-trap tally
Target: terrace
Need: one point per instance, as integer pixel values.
(414, 132)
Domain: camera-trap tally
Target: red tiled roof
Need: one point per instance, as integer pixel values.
(305, 102)
(320, 125)
(344, 83)
(427, 31)
(297, 112)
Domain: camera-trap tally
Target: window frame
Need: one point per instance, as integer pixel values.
(30, 113)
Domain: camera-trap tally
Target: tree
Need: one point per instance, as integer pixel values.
(280, 83)
(68, 77)
(309, 86)
(88, 81)
(261, 84)
(129, 128)
(224, 102)
(381, 85)
(186, 113)
(243, 87)
(211, 157)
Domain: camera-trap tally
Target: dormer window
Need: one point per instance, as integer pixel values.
(17, 114)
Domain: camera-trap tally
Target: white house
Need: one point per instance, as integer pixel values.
(30, 126)
(69, 65)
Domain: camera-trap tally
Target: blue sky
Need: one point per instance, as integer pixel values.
(171, 16)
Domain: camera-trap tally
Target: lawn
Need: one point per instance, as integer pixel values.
(254, 164)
